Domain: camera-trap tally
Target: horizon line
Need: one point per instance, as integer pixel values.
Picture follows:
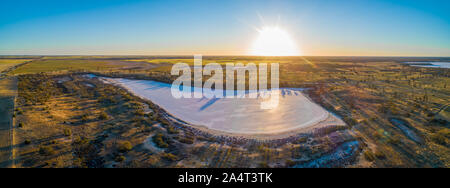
(121, 55)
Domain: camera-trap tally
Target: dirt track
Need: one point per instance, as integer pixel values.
(8, 90)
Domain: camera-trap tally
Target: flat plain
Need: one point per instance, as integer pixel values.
(396, 115)
(8, 92)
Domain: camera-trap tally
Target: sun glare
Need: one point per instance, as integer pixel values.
(274, 41)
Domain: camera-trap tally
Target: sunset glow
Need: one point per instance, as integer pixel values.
(274, 41)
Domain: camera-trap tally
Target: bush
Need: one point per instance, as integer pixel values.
(120, 158)
(301, 140)
(439, 121)
(139, 112)
(154, 117)
(67, 132)
(171, 130)
(169, 156)
(380, 155)
(394, 140)
(350, 121)
(369, 155)
(441, 136)
(263, 165)
(160, 140)
(46, 150)
(377, 135)
(125, 146)
(290, 163)
(84, 118)
(103, 116)
(187, 140)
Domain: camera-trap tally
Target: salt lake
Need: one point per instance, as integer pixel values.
(234, 115)
(445, 65)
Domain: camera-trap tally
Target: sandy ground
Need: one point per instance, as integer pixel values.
(242, 117)
(8, 92)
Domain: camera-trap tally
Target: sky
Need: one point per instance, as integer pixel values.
(223, 27)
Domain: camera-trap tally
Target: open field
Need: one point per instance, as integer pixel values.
(61, 65)
(6, 64)
(398, 116)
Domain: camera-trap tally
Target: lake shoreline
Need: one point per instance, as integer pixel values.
(328, 119)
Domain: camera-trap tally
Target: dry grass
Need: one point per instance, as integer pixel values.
(366, 93)
(8, 90)
(44, 139)
(7, 63)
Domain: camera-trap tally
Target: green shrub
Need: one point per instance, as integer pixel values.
(67, 132)
(120, 158)
(125, 146)
(301, 140)
(160, 140)
(169, 156)
(263, 165)
(393, 140)
(377, 135)
(84, 118)
(46, 150)
(187, 140)
(441, 136)
(290, 163)
(154, 117)
(380, 155)
(172, 130)
(139, 112)
(350, 121)
(103, 116)
(369, 155)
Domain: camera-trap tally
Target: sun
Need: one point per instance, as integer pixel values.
(274, 41)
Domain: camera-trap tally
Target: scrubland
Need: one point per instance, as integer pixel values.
(8, 91)
(397, 116)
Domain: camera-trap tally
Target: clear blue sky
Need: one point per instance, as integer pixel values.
(222, 27)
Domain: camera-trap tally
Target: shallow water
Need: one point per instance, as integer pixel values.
(403, 126)
(445, 65)
(232, 115)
